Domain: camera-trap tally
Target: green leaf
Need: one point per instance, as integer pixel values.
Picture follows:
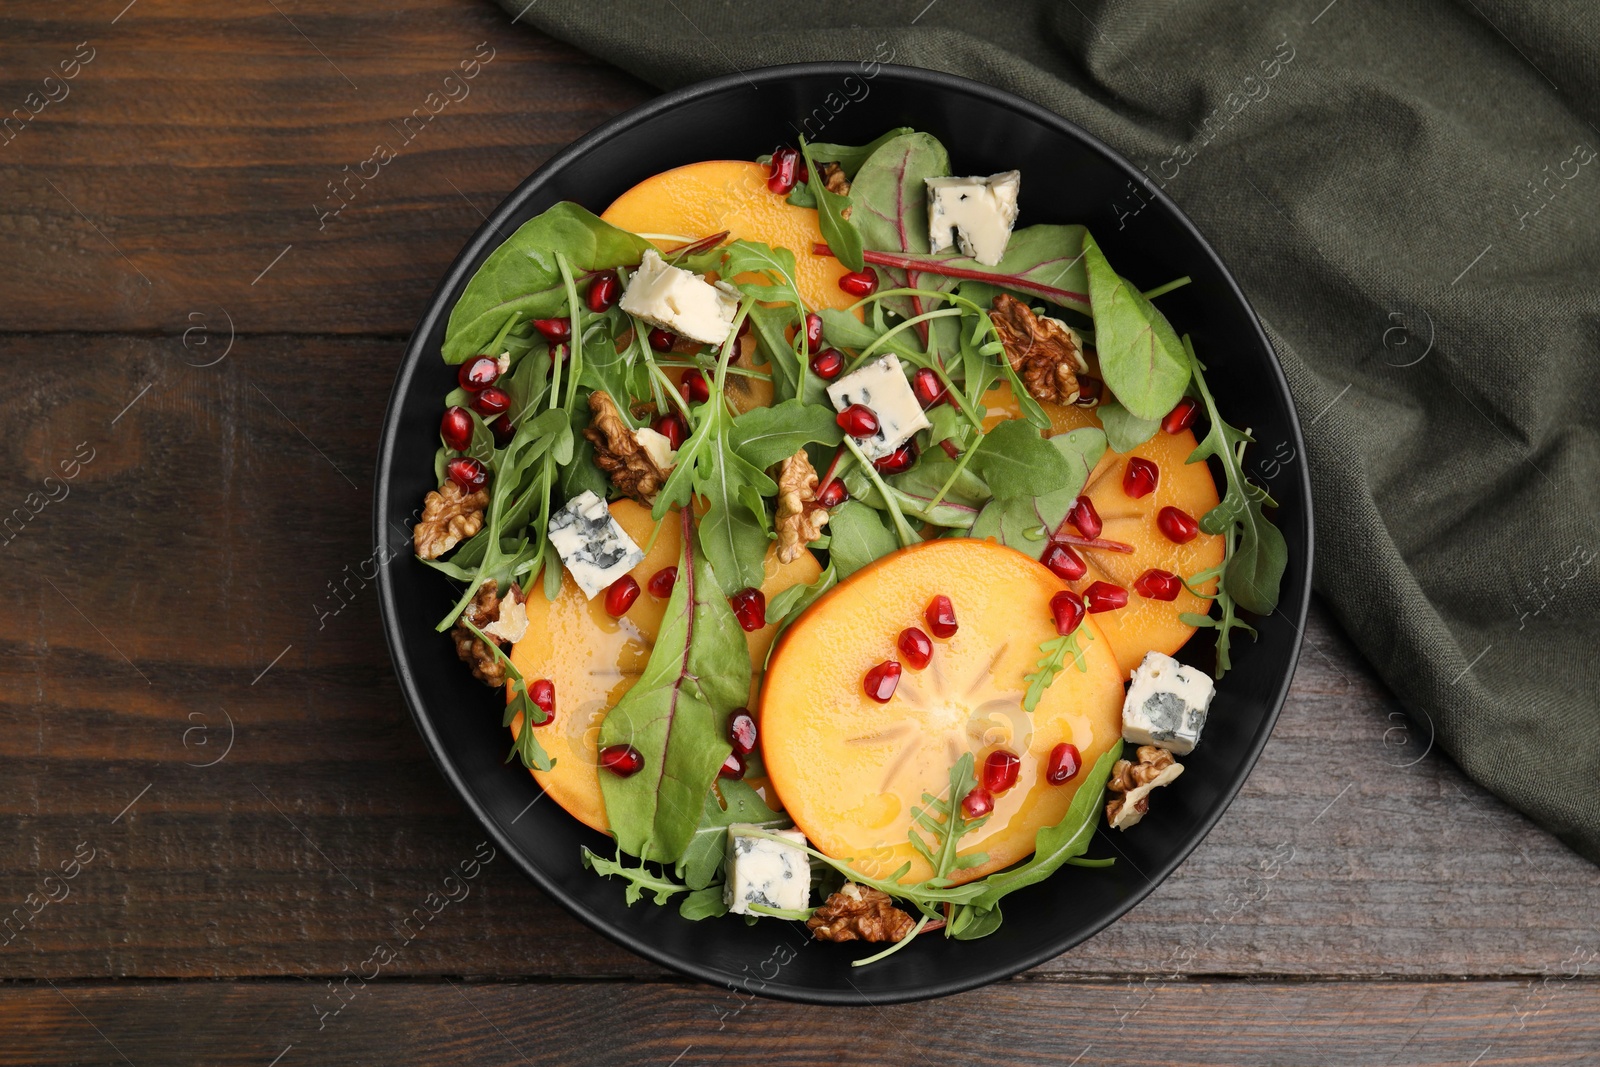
(1054, 845)
(889, 200)
(1141, 358)
(698, 672)
(851, 157)
(732, 534)
(764, 436)
(776, 265)
(833, 213)
(858, 536)
(704, 903)
(521, 275)
(640, 879)
(1042, 261)
(1054, 660)
(771, 326)
(939, 824)
(787, 605)
(1124, 432)
(739, 803)
(1082, 449)
(1015, 462)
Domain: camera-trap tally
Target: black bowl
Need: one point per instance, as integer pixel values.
(1068, 177)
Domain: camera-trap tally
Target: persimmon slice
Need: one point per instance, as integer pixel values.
(593, 659)
(1144, 624)
(850, 770)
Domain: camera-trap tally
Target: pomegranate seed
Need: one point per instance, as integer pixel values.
(1064, 563)
(1066, 607)
(732, 767)
(477, 373)
(941, 616)
(784, 169)
(455, 429)
(1089, 391)
(1085, 518)
(827, 364)
(744, 327)
(1140, 477)
(662, 340)
(813, 331)
(560, 353)
(695, 388)
(603, 291)
(1181, 417)
(554, 329)
(543, 693)
(503, 430)
(1179, 526)
(491, 402)
(1000, 770)
(897, 462)
(742, 732)
(833, 494)
(750, 608)
(621, 760)
(468, 473)
(621, 595)
(857, 420)
(977, 804)
(915, 648)
(859, 283)
(673, 428)
(1103, 596)
(928, 388)
(1156, 584)
(662, 581)
(881, 680)
(805, 172)
(1063, 764)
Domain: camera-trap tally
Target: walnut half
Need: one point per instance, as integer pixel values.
(502, 620)
(618, 452)
(1134, 781)
(1046, 353)
(859, 913)
(450, 515)
(799, 517)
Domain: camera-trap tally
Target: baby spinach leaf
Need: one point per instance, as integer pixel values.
(858, 536)
(704, 903)
(833, 213)
(1015, 462)
(1141, 358)
(1124, 431)
(740, 803)
(640, 879)
(1082, 449)
(764, 436)
(521, 276)
(698, 672)
(851, 157)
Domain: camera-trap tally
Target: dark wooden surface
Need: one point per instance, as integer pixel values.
(1361, 902)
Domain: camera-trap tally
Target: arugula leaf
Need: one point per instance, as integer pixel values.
(785, 607)
(1254, 568)
(776, 265)
(1124, 431)
(1141, 358)
(943, 824)
(1054, 660)
(640, 879)
(740, 803)
(698, 672)
(768, 435)
(521, 276)
(789, 380)
(704, 903)
(833, 215)
(1055, 845)
(857, 537)
(732, 535)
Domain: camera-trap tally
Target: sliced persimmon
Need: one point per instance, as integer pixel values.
(698, 200)
(1143, 625)
(849, 770)
(593, 659)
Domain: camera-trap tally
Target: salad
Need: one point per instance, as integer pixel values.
(832, 536)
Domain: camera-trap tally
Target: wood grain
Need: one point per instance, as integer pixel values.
(1226, 1024)
(200, 543)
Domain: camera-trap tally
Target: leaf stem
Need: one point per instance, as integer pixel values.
(903, 530)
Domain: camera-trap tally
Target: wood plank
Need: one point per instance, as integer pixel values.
(197, 143)
(198, 548)
(1229, 1024)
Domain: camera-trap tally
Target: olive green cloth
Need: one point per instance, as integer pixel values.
(1408, 194)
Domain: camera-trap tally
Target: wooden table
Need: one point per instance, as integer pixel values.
(201, 727)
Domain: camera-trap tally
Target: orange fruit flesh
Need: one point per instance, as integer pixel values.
(687, 203)
(850, 770)
(1143, 625)
(594, 659)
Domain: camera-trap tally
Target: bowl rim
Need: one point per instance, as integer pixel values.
(491, 233)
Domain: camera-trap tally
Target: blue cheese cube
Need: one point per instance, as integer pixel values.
(882, 386)
(595, 548)
(1166, 704)
(975, 213)
(762, 871)
(680, 301)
